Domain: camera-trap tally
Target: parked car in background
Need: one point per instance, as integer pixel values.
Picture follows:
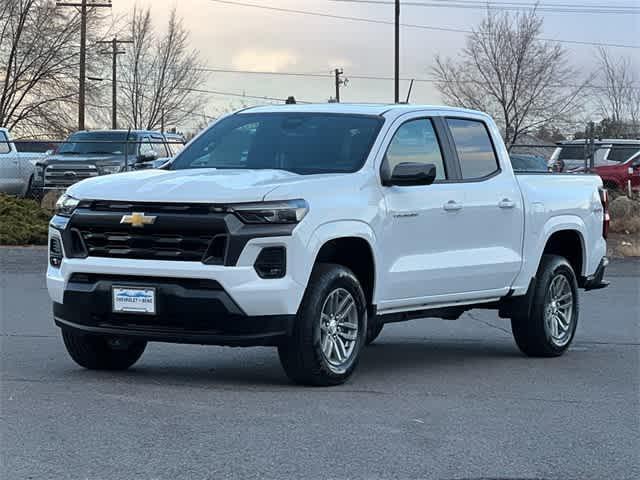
(16, 170)
(617, 176)
(88, 154)
(570, 156)
(528, 163)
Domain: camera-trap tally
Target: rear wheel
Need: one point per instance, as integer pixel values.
(102, 353)
(550, 325)
(330, 329)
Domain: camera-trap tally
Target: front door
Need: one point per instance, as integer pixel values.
(422, 226)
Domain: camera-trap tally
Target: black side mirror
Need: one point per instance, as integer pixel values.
(408, 174)
(148, 156)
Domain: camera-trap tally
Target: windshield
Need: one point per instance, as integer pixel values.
(302, 143)
(105, 143)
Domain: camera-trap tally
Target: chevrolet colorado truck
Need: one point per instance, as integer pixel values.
(308, 227)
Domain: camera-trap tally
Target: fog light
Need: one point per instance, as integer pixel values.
(272, 262)
(55, 252)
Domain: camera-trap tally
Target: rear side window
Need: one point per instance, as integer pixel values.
(4, 146)
(475, 150)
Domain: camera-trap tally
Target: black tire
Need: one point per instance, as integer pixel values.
(301, 354)
(373, 332)
(96, 353)
(529, 328)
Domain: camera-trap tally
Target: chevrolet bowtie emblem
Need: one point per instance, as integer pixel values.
(137, 219)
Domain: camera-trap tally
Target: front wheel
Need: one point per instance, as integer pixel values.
(330, 329)
(102, 353)
(549, 327)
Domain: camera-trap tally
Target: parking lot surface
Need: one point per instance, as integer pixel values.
(431, 399)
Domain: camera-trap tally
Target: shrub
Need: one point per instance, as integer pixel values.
(22, 222)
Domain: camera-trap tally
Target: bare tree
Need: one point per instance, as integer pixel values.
(160, 74)
(38, 66)
(618, 91)
(507, 71)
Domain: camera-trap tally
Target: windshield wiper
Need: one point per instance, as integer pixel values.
(102, 153)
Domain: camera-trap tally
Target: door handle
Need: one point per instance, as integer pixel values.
(506, 203)
(452, 206)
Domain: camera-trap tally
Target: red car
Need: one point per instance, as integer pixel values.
(617, 175)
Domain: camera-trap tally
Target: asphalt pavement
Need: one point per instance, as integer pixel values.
(431, 399)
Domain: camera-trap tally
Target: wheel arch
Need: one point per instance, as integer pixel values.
(565, 235)
(351, 244)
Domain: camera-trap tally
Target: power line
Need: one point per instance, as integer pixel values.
(407, 25)
(508, 6)
(355, 76)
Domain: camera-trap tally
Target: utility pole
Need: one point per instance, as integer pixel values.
(83, 5)
(397, 54)
(340, 82)
(114, 52)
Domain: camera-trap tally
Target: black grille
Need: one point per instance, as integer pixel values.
(179, 232)
(156, 246)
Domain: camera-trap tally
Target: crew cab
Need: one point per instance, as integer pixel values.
(308, 227)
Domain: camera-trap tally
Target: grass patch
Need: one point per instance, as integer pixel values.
(22, 222)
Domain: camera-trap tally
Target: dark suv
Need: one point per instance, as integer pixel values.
(88, 154)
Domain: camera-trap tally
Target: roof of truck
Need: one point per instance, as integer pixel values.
(355, 108)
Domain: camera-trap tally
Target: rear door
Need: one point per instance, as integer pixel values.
(489, 253)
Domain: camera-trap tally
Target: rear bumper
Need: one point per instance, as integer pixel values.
(187, 311)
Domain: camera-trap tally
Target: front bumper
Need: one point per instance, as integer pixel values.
(187, 311)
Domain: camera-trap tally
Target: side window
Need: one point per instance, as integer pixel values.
(145, 146)
(474, 147)
(416, 141)
(4, 146)
(157, 143)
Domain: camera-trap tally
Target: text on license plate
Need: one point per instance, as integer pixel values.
(134, 300)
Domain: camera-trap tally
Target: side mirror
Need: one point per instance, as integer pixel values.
(148, 156)
(636, 163)
(409, 174)
(49, 152)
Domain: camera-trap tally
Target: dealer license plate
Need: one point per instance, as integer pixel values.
(134, 300)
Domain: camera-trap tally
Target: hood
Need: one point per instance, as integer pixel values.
(93, 159)
(182, 186)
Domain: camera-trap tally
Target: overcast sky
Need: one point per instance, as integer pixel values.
(245, 38)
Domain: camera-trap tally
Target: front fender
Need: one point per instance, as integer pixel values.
(335, 230)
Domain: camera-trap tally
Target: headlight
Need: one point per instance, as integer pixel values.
(287, 211)
(39, 173)
(65, 205)
(108, 169)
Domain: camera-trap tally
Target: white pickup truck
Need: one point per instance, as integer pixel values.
(310, 227)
